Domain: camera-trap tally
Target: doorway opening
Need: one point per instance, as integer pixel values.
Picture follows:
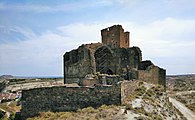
(109, 72)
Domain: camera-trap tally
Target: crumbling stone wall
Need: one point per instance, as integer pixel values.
(79, 62)
(117, 60)
(113, 57)
(162, 77)
(127, 87)
(153, 74)
(145, 64)
(62, 98)
(115, 37)
(100, 79)
(104, 58)
(93, 58)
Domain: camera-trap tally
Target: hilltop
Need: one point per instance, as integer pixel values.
(147, 102)
(6, 77)
(154, 101)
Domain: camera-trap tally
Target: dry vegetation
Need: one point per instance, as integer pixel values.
(102, 113)
(154, 105)
(12, 108)
(182, 88)
(181, 83)
(187, 99)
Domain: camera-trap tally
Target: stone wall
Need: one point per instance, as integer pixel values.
(153, 74)
(100, 79)
(93, 58)
(115, 37)
(113, 57)
(117, 60)
(127, 87)
(145, 64)
(79, 62)
(104, 58)
(162, 77)
(62, 98)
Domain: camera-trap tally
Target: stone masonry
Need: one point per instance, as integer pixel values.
(112, 57)
(115, 37)
(106, 72)
(62, 98)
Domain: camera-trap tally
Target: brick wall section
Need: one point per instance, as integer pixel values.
(62, 98)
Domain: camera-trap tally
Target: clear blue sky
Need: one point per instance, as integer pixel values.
(34, 34)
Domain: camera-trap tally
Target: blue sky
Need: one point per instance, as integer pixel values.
(35, 34)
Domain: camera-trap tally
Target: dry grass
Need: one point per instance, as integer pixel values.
(102, 113)
(12, 108)
(137, 93)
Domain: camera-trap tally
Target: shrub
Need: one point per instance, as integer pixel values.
(140, 91)
(140, 83)
(2, 114)
(12, 116)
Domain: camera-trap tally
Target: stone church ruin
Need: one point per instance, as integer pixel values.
(111, 58)
(104, 72)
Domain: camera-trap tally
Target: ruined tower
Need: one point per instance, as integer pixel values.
(115, 37)
(111, 57)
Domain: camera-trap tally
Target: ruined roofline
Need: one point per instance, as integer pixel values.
(134, 47)
(99, 45)
(87, 45)
(152, 66)
(115, 37)
(113, 27)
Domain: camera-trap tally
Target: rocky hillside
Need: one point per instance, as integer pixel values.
(3, 77)
(182, 88)
(146, 102)
(181, 83)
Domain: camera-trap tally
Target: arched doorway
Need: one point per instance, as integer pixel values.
(109, 72)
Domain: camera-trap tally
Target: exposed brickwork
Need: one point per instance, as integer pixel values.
(115, 37)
